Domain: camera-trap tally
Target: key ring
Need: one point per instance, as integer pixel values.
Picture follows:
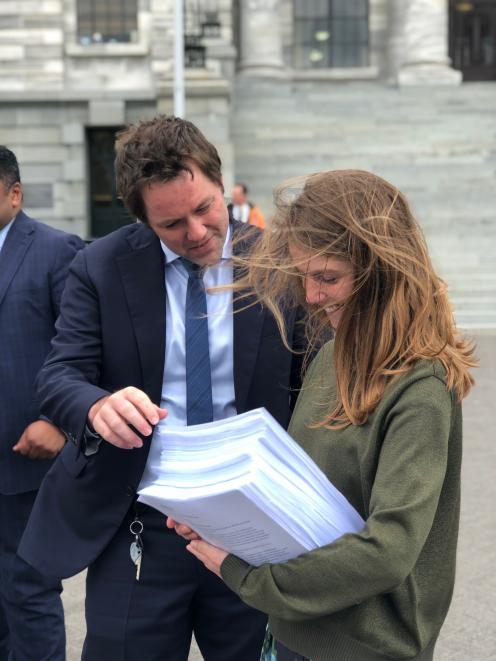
(132, 526)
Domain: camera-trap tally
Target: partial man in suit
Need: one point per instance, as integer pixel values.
(123, 364)
(34, 259)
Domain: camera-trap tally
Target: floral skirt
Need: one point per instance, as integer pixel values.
(273, 650)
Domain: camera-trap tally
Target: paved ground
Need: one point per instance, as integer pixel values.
(469, 632)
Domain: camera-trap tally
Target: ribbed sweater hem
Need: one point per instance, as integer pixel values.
(333, 645)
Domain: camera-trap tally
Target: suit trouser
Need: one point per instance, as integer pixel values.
(32, 616)
(153, 619)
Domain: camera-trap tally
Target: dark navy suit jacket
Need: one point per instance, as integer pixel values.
(111, 334)
(33, 266)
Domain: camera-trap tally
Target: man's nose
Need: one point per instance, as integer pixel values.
(196, 229)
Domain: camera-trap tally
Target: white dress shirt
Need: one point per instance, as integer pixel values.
(4, 231)
(220, 340)
(241, 212)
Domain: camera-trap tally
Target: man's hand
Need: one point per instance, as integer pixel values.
(111, 416)
(211, 556)
(40, 440)
(182, 529)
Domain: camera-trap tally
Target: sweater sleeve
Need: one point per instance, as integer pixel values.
(403, 504)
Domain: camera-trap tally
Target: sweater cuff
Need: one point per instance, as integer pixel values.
(233, 571)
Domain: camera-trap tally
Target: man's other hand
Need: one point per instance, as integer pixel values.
(40, 440)
(111, 416)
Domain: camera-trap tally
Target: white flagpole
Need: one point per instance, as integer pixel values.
(178, 59)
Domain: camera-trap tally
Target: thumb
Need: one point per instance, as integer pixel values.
(162, 413)
(19, 444)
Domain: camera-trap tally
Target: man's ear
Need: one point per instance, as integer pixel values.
(222, 185)
(15, 193)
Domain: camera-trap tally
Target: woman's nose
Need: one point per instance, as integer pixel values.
(313, 293)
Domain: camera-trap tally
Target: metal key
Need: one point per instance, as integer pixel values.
(138, 567)
(136, 548)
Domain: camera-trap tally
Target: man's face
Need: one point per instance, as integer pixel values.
(189, 215)
(10, 202)
(238, 196)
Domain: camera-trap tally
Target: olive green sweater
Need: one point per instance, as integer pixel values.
(382, 593)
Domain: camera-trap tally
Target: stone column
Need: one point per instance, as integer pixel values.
(396, 18)
(426, 60)
(260, 38)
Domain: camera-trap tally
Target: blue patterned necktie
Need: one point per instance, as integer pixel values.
(199, 407)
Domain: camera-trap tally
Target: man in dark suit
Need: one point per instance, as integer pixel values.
(121, 365)
(34, 259)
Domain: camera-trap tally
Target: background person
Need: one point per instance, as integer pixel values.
(119, 368)
(380, 413)
(243, 210)
(34, 259)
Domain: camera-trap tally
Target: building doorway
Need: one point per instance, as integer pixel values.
(107, 212)
(473, 38)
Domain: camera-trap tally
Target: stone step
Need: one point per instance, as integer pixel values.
(438, 145)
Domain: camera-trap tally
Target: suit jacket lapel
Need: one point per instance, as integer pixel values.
(247, 336)
(142, 273)
(14, 250)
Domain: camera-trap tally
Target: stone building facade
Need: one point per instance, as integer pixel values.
(72, 72)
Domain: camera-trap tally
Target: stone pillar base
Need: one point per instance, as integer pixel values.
(429, 75)
(262, 71)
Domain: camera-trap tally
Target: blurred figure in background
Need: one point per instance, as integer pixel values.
(243, 210)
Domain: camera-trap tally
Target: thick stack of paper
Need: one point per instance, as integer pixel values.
(246, 486)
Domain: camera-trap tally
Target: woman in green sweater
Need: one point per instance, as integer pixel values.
(379, 412)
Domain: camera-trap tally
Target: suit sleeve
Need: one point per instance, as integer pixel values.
(66, 381)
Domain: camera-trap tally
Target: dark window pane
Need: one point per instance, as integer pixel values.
(114, 20)
(331, 33)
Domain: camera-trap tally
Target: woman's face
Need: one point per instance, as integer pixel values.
(328, 281)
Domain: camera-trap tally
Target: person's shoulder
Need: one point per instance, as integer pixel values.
(244, 235)
(133, 236)
(424, 384)
(46, 233)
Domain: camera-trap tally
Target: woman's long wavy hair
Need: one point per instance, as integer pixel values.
(398, 311)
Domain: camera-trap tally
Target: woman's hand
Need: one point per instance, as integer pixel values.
(182, 529)
(211, 556)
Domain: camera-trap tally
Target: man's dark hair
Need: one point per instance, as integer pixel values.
(9, 168)
(243, 187)
(157, 151)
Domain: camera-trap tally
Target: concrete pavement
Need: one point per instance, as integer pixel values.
(470, 630)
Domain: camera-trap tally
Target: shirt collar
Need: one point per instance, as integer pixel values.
(5, 230)
(171, 256)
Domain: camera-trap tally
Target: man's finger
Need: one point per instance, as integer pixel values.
(144, 404)
(128, 441)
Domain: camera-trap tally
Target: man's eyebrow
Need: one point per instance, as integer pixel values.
(170, 221)
(205, 202)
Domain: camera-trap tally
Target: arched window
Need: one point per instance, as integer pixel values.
(331, 33)
(107, 21)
